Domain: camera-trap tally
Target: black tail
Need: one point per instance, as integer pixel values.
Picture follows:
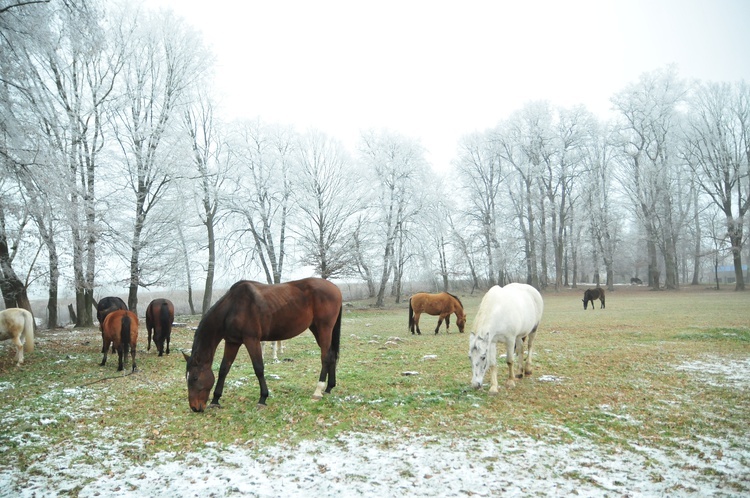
(164, 320)
(411, 317)
(125, 335)
(336, 338)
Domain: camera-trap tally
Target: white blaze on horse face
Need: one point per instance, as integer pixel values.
(478, 351)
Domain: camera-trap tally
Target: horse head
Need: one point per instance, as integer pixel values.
(461, 321)
(479, 356)
(200, 380)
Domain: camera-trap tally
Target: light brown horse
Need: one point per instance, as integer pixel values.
(252, 312)
(16, 323)
(120, 329)
(159, 318)
(443, 304)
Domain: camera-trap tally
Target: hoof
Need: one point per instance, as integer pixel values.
(261, 406)
(493, 393)
(317, 397)
(214, 405)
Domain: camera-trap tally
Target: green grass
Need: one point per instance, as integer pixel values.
(613, 371)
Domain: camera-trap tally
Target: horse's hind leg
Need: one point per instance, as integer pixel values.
(132, 355)
(120, 360)
(19, 349)
(510, 350)
(416, 322)
(105, 350)
(528, 367)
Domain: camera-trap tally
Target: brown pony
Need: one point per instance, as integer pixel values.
(442, 304)
(121, 330)
(591, 295)
(105, 306)
(251, 312)
(159, 318)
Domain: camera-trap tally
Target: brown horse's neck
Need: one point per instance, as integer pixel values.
(207, 337)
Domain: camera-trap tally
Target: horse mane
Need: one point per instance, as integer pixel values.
(456, 298)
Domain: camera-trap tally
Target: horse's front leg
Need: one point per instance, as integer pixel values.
(448, 323)
(230, 353)
(440, 322)
(255, 349)
(492, 358)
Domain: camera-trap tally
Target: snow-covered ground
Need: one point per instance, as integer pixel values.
(403, 463)
(367, 465)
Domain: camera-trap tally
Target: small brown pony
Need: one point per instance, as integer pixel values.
(121, 330)
(442, 304)
(159, 318)
(252, 312)
(591, 295)
(16, 323)
(104, 307)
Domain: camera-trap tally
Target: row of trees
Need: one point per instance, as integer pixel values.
(117, 168)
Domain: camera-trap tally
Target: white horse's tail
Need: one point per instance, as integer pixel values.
(28, 332)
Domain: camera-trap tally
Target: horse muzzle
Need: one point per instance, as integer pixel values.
(197, 407)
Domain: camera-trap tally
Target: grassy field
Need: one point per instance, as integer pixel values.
(656, 367)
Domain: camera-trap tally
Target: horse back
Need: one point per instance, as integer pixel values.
(14, 322)
(507, 313)
(435, 304)
(281, 311)
(112, 328)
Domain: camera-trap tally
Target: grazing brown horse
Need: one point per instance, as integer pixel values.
(442, 304)
(121, 330)
(251, 312)
(17, 323)
(159, 318)
(591, 295)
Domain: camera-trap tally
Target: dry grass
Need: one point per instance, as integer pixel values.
(610, 375)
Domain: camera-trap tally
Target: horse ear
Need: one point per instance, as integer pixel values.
(186, 356)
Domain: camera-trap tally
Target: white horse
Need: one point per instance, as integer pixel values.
(507, 315)
(15, 323)
(278, 347)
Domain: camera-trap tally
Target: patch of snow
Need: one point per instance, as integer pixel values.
(377, 465)
(549, 378)
(720, 372)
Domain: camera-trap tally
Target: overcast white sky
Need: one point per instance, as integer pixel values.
(437, 70)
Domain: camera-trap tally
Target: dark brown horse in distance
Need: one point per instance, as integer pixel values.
(591, 295)
(159, 318)
(252, 312)
(442, 304)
